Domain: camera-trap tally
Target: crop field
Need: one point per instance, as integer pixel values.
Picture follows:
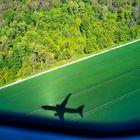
(107, 84)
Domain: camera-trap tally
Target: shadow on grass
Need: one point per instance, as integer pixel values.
(60, 109)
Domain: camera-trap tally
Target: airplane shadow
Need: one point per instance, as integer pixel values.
(61, 109)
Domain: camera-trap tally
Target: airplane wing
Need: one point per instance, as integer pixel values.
(65, 100)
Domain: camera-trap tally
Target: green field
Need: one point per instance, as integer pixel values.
(108, 85)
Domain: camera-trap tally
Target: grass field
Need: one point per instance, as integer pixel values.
(108, 85)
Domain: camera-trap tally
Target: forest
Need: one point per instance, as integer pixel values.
(37, 34)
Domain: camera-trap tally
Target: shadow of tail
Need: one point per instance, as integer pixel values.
(80, 110)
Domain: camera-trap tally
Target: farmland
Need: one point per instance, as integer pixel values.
(107, 84)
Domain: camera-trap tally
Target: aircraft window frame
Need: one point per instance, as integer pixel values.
(82, 129)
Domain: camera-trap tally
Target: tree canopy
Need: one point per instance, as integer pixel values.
(35, 34)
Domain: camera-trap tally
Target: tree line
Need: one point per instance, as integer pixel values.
(35, 34)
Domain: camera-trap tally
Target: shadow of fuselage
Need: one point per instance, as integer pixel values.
(60, 109)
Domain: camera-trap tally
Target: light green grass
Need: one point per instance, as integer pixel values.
(108, 85)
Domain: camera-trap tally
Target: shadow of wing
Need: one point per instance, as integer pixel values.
(65, 100)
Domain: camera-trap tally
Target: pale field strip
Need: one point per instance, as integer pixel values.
(82, 92)
(108, 104)
(103, 83)
(119, 99)
(47, 71)
(99, 107)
